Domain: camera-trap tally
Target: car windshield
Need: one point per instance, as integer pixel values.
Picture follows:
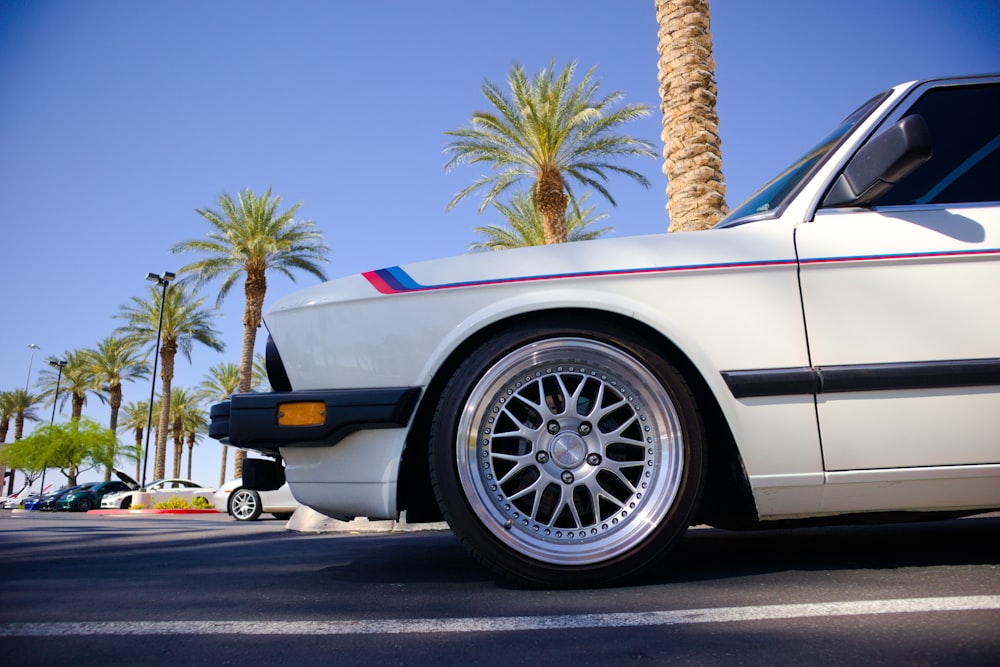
(768, 201)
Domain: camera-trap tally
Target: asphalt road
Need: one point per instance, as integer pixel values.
(206, 590)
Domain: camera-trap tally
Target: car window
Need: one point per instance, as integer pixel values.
(964, 125)
(771, 198)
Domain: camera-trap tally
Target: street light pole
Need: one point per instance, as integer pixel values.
(60, 364)
(162, 281)
(31, 359)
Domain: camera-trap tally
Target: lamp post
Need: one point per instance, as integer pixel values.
(31, 359)
(162, 281)
(60, 364)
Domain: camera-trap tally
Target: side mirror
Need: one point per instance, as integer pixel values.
(881, 163)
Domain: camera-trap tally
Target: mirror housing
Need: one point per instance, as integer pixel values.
(881, 163)
(263, 474)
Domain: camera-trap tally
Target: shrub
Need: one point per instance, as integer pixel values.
(137, 506)
(175, 503)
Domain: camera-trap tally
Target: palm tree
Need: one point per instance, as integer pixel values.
(249, 238)
(113, 362)
(22, 406)
(195, 421)
(181, 403)
(75, 381)
(692, 154)
(6, 412)
(526, 227)
(185, 322)
(221, 382)
(136, 416)
(551, 134)
(24, 409)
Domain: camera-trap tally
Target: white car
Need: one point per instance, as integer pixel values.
(830, 351)
(161, 491)
(13, 501)
(245, 504)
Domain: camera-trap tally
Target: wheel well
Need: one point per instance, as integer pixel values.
(726, 500)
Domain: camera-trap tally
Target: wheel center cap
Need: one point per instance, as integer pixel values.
(567, 450)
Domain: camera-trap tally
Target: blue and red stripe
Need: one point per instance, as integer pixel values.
(395, 280)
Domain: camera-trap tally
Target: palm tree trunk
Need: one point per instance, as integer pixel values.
(222, 472)
(167, 353)
(138, 451)
(4, 425)
(178, 447)
(692, 154)
(552, 200)
(254, 290)
(190, 444)
(115, 400)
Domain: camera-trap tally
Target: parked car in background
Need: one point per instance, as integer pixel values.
(830, 351)
(245, 504)
(85, 499)
(161, 491)
(48, 502)
(14, 501)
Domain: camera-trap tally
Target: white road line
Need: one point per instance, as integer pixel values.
(504, 623)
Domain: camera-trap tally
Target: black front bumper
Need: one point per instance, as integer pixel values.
(250, 421)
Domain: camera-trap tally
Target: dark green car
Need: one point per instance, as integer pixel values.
(85, 499)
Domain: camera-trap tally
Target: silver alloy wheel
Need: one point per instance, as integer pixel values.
(570, 451)
(244, 505)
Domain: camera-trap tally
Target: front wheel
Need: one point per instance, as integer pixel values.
(567, 456)
(244, 505)
(84, 505)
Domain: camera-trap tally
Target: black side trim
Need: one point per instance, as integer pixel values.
(863, 377)
(250, 420)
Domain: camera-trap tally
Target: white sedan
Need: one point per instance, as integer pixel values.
(830, 351)
(162, 491)
(245, 504)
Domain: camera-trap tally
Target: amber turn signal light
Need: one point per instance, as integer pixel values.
(302, 414)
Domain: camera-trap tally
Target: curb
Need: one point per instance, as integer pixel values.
(306, 520)
(151, 511)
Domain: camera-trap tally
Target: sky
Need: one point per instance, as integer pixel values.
(119, 118)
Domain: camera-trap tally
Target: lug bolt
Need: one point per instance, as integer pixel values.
(585, 428)
(567, 477)
(553, 427)
(594, 459)
(542, 457)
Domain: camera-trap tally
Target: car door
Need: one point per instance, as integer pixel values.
(902, 300)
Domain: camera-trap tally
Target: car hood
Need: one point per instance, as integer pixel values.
(132, 484)
(662, 253)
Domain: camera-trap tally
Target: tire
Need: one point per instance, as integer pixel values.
(126, 503)
(244, 505)
(84, 505)
(567, 456)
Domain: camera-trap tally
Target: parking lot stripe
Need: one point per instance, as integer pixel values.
(505, 623)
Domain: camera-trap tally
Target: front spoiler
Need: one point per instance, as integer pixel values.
(250, 421)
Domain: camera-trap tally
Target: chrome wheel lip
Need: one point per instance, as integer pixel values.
(575, 464)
